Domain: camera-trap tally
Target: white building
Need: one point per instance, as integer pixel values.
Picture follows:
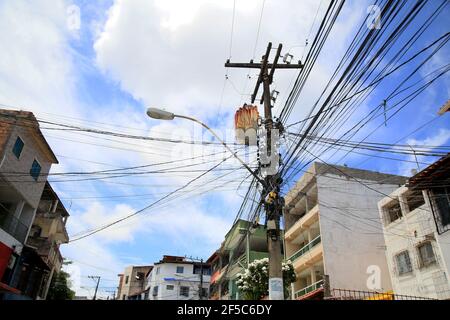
(416, 223)
(332, 228)
(175, 278)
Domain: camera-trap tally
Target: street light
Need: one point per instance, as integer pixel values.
(159, 114)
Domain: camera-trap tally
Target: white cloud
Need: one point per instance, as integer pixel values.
(178, 64)
(438, 139)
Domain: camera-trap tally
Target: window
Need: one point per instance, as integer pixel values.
(169, 287)
(403, 262)
(184, 291)
(18, 147)
(426, 254)
(155, 290)
(157, 270)
(35, 170)
(442, 199)
(393, 211)
(180, 270)
(414, 199)
(126, 279)
(146, 295)
(206, 269)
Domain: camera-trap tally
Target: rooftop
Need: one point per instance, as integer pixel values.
(436, 174)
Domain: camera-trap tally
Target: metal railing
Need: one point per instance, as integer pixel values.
(346, 294)
(13, 226)
(308, 289)
(305, 248)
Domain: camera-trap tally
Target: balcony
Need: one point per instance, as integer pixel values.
(253, 255)
(305, 248)
(304, 222)
(313, 287)
(13, 226)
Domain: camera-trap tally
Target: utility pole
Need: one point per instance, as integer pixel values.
(96, 287)
(200, 290)
(272, 182)
(200, 286)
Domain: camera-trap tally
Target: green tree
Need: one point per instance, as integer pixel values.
(60, 287)
(253, 283)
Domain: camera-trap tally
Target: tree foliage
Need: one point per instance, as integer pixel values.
(60, 287)
(253, 283)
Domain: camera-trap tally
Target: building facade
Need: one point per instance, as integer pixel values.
(25, 160)
(243, 244)
(416, 224)
(333, 232)
(132, 282)
(47, 234)
(176, 278)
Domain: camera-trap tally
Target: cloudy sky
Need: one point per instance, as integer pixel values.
(100, 64)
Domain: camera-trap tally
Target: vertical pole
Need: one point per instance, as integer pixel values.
(326, 287)
(96, 287)
(201, 281)
(276, 290)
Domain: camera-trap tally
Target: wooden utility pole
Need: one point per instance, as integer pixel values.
(96, 287)
(200, 290)
(271, 186)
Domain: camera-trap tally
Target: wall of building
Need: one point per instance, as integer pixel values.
(29, 189)
(167, 271)
(351, 233)
(406, 233)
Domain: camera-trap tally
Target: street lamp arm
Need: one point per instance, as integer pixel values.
(224, 144)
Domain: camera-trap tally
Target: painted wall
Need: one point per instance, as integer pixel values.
(29, 189)
(352, 234)
(5, 255)
(133, 285)
(407, 233)
(168, 270)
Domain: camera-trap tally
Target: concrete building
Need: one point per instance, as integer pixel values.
(47, 233)
(25, 160)
(237, 250)
(132, 282)
(332, 229)
(416, 224)
(176, 278)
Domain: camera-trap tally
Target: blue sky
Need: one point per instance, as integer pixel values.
(127, 55)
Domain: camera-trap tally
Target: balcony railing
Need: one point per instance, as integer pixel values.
(13, 226)
(308, 289)
(305, 248)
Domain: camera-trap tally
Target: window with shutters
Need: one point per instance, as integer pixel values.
(403, 263)
(426, 254)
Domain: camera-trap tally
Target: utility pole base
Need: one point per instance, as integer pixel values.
(276, 289)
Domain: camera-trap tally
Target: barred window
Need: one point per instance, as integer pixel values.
(426, 254)
(184, 291)
(403, 262)
(442, 199)
(393, 211)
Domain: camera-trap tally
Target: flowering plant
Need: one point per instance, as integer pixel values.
(253, 283)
